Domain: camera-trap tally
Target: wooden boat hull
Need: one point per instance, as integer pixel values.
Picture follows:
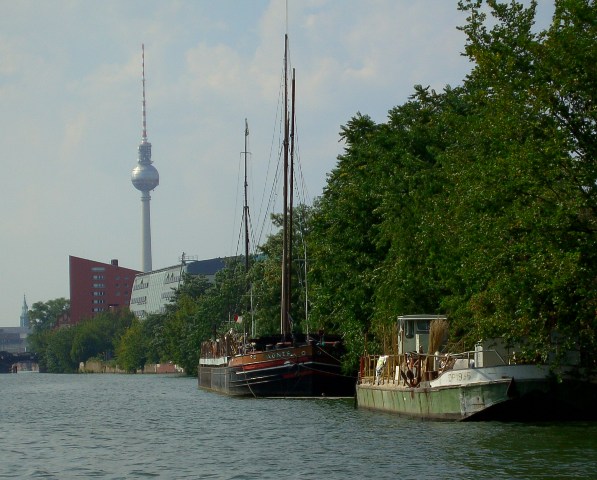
(513, 392)
(303, 371)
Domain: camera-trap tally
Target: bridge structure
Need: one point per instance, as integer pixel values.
(18, 362)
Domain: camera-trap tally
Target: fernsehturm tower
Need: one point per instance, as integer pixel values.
(145, 178)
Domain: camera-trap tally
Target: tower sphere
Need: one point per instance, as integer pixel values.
(145, 177)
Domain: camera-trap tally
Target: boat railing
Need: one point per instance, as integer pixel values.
(407, 369)
(224, 346)
(410, 369)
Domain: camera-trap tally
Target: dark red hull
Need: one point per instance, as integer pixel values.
(294, 371)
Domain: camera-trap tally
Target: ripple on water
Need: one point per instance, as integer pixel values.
(146, 426)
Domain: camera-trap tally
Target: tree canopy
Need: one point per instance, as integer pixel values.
(478, 201)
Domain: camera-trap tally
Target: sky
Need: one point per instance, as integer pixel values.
(70, 116)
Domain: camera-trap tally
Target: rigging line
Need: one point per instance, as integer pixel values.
(264, 210)
(239, 240)
(240, 236)
(236, 200)
(303, 193)
(251, 201)
(274, 193)
(253, 242)
(331, 374)
(270, 205)
(275, 133)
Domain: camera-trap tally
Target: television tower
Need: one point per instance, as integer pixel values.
(145, 178)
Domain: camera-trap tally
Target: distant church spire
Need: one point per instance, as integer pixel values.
(25, 314)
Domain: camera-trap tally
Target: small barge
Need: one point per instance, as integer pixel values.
(483, 384)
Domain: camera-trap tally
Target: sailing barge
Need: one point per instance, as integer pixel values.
(287, 365)
(306, 367)
(484, 384)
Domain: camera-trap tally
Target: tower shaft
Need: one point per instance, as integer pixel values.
(145, 233)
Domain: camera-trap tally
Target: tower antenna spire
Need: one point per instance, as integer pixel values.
(144, 136)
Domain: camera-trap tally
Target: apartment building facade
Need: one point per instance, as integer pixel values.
(97, 287)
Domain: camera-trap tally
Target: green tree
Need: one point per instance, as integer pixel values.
(60, 350)
(45, 315)
(57, 357)
(43, 318)
(342, 247)
(180, 328)
(412, 205)
(38, 343)
(153, 330)
(266, 277)
(132, 349)
(479, 201)
(521, 189)
(98, 336)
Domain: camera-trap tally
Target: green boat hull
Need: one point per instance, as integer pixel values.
(441, 403)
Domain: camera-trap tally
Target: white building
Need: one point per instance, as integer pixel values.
(152, 291)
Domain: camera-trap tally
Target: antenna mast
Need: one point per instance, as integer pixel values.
(144, 135)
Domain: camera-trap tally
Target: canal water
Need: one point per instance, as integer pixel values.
(155, 426)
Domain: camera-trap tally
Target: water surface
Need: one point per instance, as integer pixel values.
(159, 426)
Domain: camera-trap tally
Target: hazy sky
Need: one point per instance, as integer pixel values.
(70, 115)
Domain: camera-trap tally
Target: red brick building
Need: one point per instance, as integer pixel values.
(97, 287)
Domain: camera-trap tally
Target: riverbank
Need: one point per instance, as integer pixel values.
(98, 366)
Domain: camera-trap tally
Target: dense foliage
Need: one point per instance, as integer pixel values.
(479, 201)
(196, 311)
(60, 350)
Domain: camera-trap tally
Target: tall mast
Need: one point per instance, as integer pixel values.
(290, 225)
(246, 222)
(246, 205)
(285, 267)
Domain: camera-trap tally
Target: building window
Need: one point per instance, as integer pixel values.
(98, 269)
(99, 294)
(99, 285)
(171, 278)
(101, 300)
(98, 277)
(139, 300)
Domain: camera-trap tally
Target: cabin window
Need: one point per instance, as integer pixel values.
(409, 329)
(422, 326)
